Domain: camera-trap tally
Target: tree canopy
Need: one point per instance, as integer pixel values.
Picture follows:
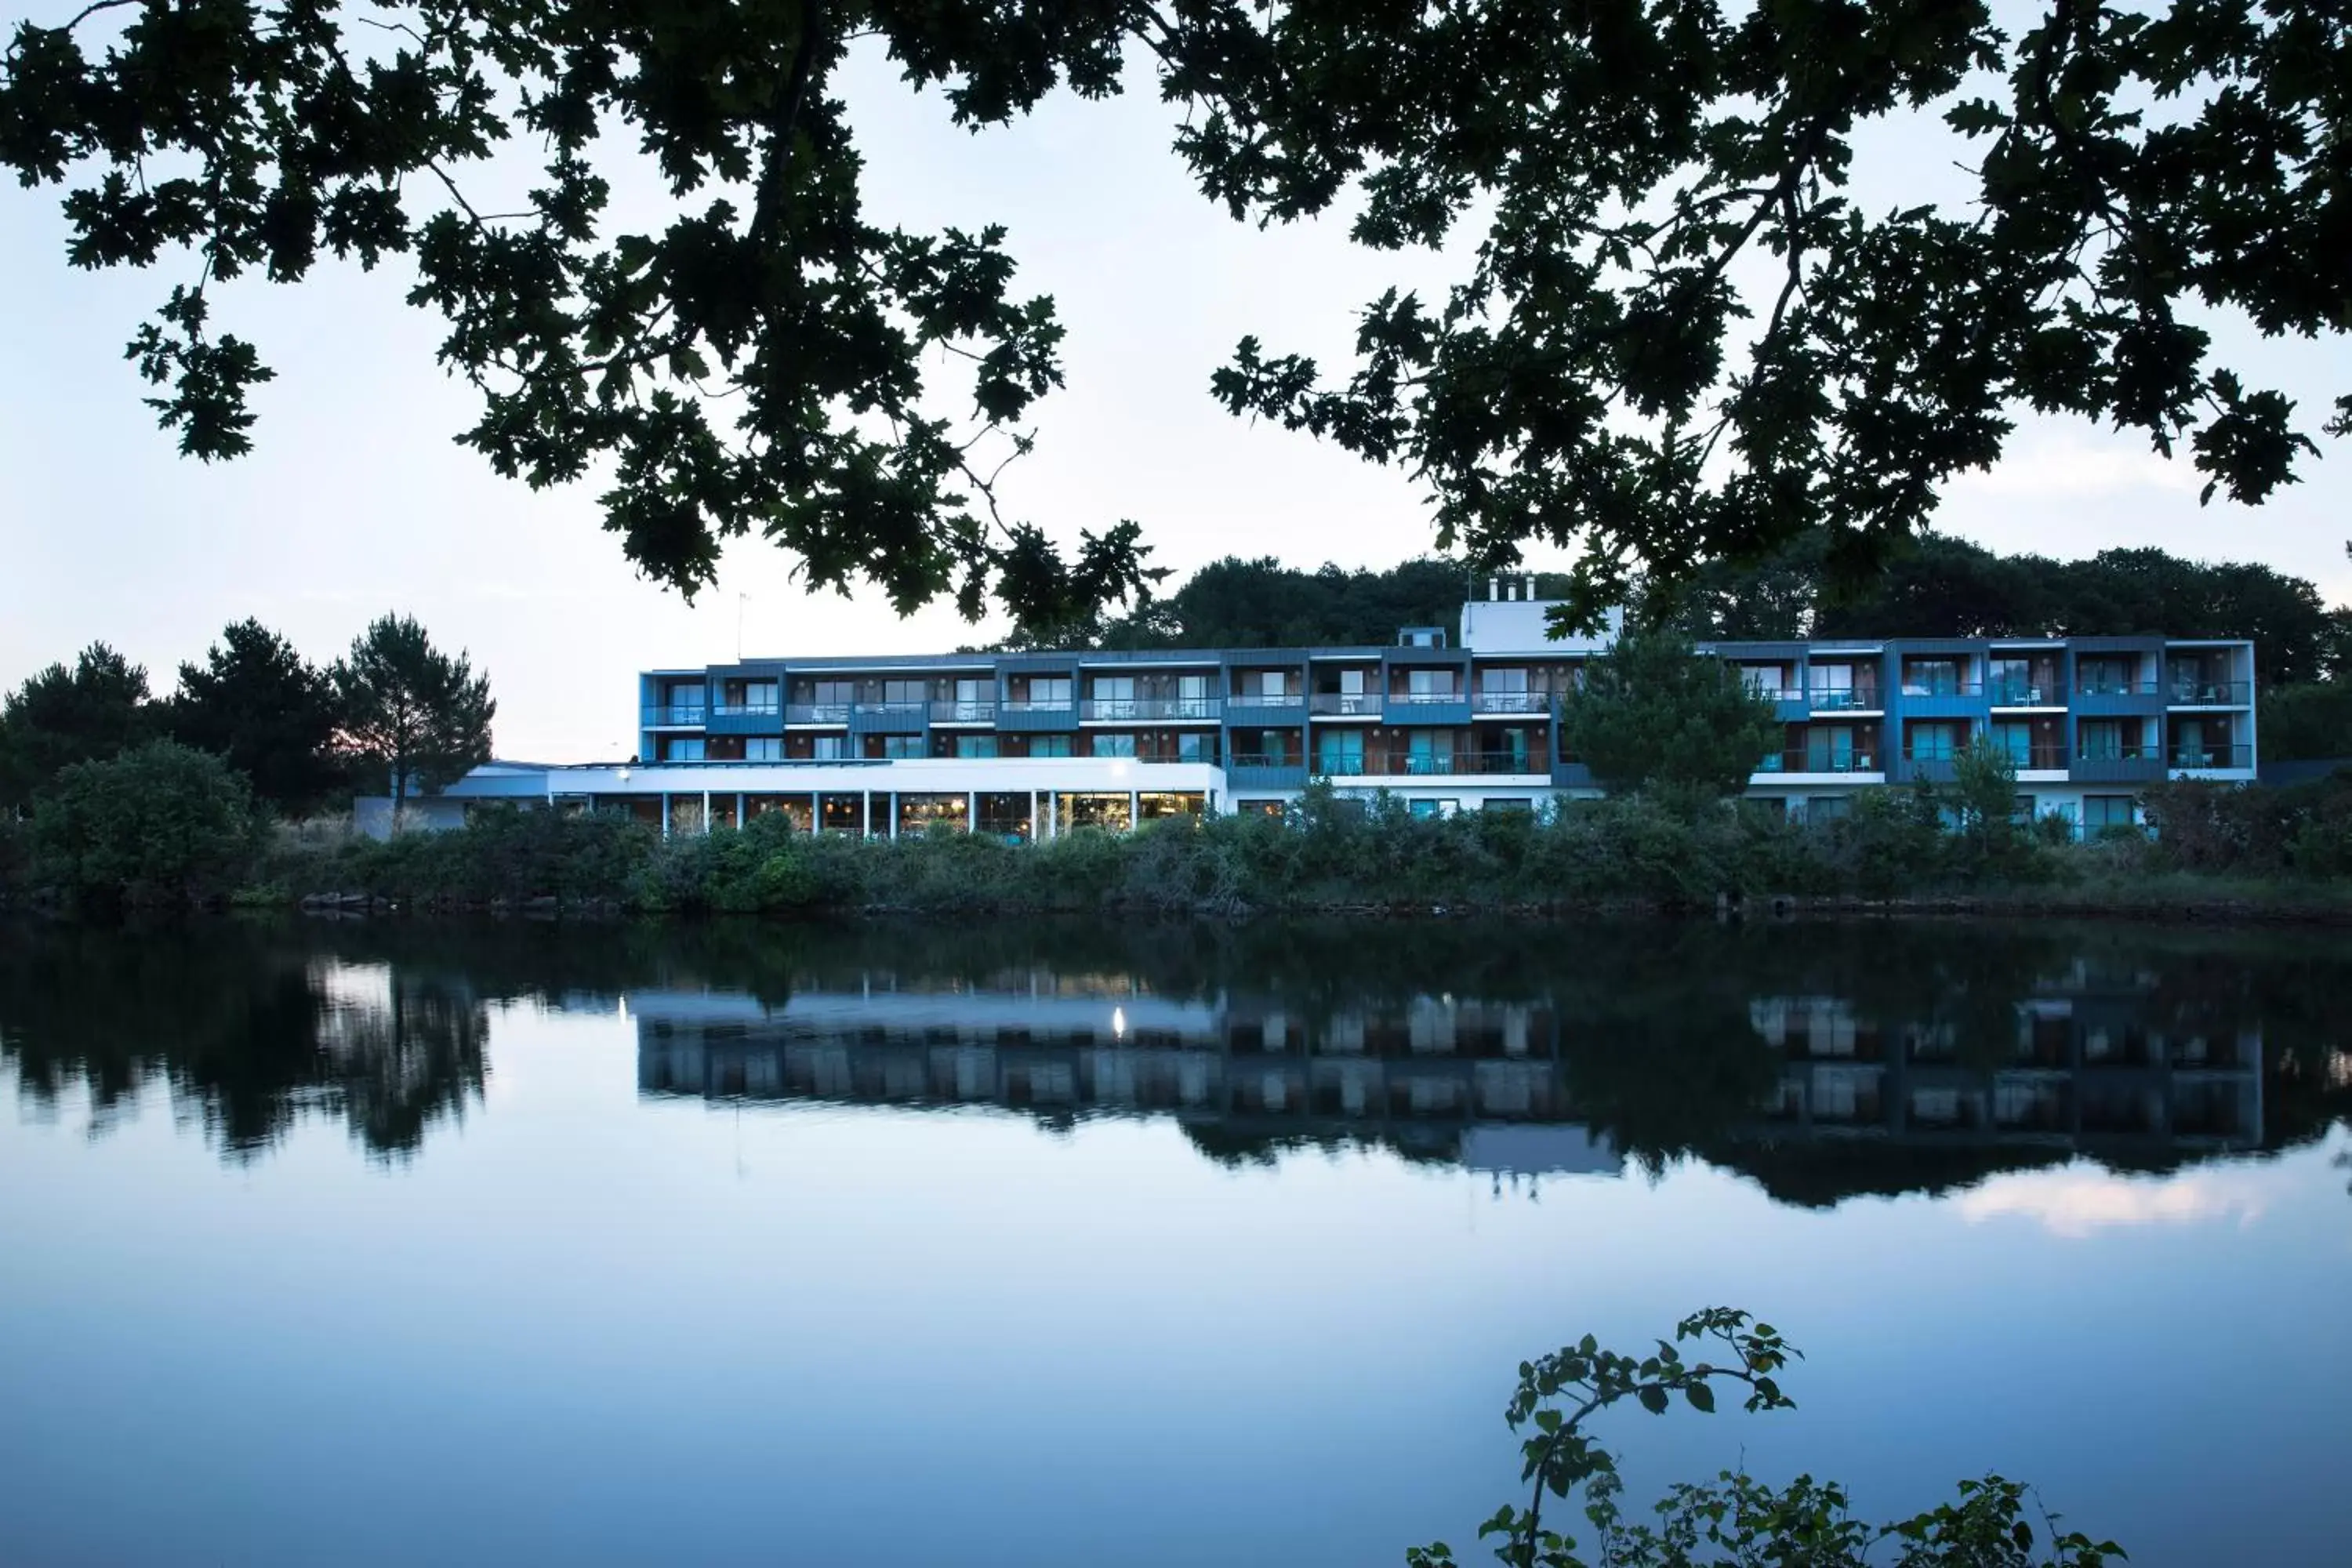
(1679, 337)
(60, 716)
(419, 715)
(259, 706)
(1651, 714)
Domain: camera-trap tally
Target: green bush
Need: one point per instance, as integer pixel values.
(160, 826)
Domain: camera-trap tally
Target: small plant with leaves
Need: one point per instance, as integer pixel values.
(1736, 1518)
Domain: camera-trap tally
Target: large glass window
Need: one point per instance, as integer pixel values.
(681, 748)
(1931, 678)
(2101, 812)
(975, 746)
(903, 693)
(1108, 745)
(1339, 751)
(2100, 740)
(1431, 684)
(763, 748)
(1829, 749)
(2015, 741)
(897, 747)
(1933, 742)
(1428, 751)
(831, 748)
(1049, 746)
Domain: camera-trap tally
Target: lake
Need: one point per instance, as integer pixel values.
(1070, 1244)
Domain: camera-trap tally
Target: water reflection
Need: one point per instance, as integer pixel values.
(1821, 1060)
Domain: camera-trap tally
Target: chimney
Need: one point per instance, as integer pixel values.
(1494, 588)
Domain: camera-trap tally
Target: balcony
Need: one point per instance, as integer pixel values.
(2103, 697)
(2126, 765)
(1126, 710)
(1933, 769)
(1029, 715)
(1262, 772)
(1458, 764)
(2039, 759)
(1258, 704)
(1804, 762)
(1942, 698)
(906, 717)
(747, 718)
(1842, 699)
(2027, 694)
(1448, 708)
(2180, 756)
(964, 710)
(1537, 703)
(2195, 693)
(816, 713)
(675, 715)
(1346, 704)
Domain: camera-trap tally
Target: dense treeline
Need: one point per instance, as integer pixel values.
(393, 714)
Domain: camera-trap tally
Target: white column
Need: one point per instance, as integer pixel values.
(1134, 808)
(866, 814)
(665, 811)
(706, 811)
(972, 811)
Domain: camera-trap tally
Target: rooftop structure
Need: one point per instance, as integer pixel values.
(1030, 744)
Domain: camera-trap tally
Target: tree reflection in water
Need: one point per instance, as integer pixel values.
(1822, 1059)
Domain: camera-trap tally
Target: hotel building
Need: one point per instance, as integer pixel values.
(1031, 745)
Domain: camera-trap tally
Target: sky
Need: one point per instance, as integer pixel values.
(356, 500)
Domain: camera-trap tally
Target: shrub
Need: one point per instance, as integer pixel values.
(160, 825)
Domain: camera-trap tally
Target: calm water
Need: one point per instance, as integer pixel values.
(1057, 1245)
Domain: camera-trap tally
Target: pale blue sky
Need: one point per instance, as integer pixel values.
(356, 500)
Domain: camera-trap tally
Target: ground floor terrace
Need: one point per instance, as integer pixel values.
(1030, 799)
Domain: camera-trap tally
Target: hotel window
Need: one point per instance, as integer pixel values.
(832, 693)
(763, 749)
(2101, 739)
(902, 693)
(1194, 746)
(1192, 688)
(1831, 685)
(1829, 749)
(2016, 742)
(1931, 678)
(1268, 683)
(1050, 690)
(1426, 809)
(1113, 689)
(831, 748)
(681, 748)
(895, 747)
(2102, 812)
(1111, 745)
(1351, 682)
(1431, 683)
(969, 746)
(1933, 742)
(1339, 753)
(2106, 677)
(1049, 746)
(1762, 680)
(1427, 752)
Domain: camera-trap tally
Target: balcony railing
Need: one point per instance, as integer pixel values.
(677, 713)
(1390, 764)
(1943, 688)
(1511, 702)
(2193, 693)
(1839, 699)
(2128, 752)
(1772, 693)
(1130, 708)
(1035, 705)
(2112, 686)
(816, 713)
(2027, 694)
(2209, 757)
(1266, 699)
(2037, 759)
(766, 708)
(1356, 704)
(963, 710)
(1803, 762)
(1428, 697)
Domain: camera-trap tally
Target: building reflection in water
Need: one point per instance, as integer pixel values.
(2077, 1064)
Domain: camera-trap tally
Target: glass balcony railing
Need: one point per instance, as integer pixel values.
(2112, 686)
(1266, 699)
(749, 708)
(2020, 693)
(1843, 699)
(816, 713)
(1429, 764)
(1803, 762)
(1365, 704)
(1428, 699)
(1511, 702)
(1943, 688)
(1772, 693)
(1035, 705)
(2126, 751)
(1126, 707)
(2195, 693)
(2209, 757)
(677, 713)
(963, 710)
